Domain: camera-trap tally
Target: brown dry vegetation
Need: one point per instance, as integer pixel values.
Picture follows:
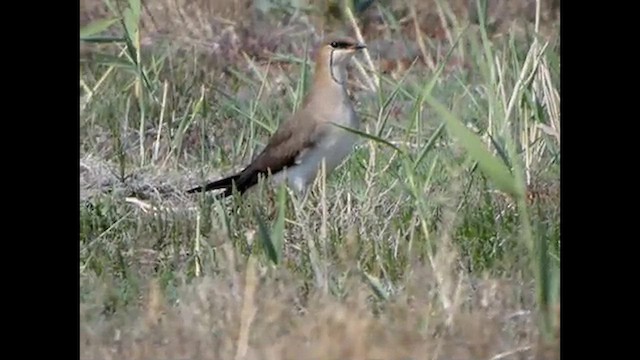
(224, 29)
(189, 283)
(246, 315)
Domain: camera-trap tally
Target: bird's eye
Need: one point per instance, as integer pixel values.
(339, 45)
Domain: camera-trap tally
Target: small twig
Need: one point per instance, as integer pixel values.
(86, 167)
(367, 56)
(197, 244)
(511, 352)
(263, 77)
(162, 109)
(92, 92)
(323, 225)
(537, 23)
(444, 23)
(419, 39)
(363, 72)
(519, 313)
(141, 204)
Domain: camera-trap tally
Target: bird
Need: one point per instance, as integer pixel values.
(295, 152)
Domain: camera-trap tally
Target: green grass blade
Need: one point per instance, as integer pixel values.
(96, 27)
(302, 86)
(394, 93)
(492, 167)
(112, 60)
(370, 137)
(430, 143)
(426, 90)
(500, 150)
(104, 39)
(135, 7)
(376, 286)
(277, 235)
(265, 237)
(273, 241)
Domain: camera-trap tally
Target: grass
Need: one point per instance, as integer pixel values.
(439, 238)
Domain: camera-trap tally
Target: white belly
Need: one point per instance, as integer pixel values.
(334, 149)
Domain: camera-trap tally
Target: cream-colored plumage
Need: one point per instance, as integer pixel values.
(296, 150)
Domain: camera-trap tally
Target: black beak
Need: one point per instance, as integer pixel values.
(360, 46)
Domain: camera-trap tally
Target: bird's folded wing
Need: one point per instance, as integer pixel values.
(282, 150)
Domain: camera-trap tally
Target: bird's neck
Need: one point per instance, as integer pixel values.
(331, 69)
(338, 74)
(330, 78)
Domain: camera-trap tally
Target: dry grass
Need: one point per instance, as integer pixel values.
(225, 29)
(379, 263)
(491, 321)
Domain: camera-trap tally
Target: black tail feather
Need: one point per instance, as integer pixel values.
(226, 184)
(241, 183)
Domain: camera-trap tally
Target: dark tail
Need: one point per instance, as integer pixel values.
(226, 184)
(241, 183)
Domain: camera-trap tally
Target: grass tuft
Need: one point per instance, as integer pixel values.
(439, 236)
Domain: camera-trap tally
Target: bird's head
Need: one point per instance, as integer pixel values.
(334, 55)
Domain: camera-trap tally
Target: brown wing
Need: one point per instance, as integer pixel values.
(281, 151)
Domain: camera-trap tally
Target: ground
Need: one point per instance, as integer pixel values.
(439, 238)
